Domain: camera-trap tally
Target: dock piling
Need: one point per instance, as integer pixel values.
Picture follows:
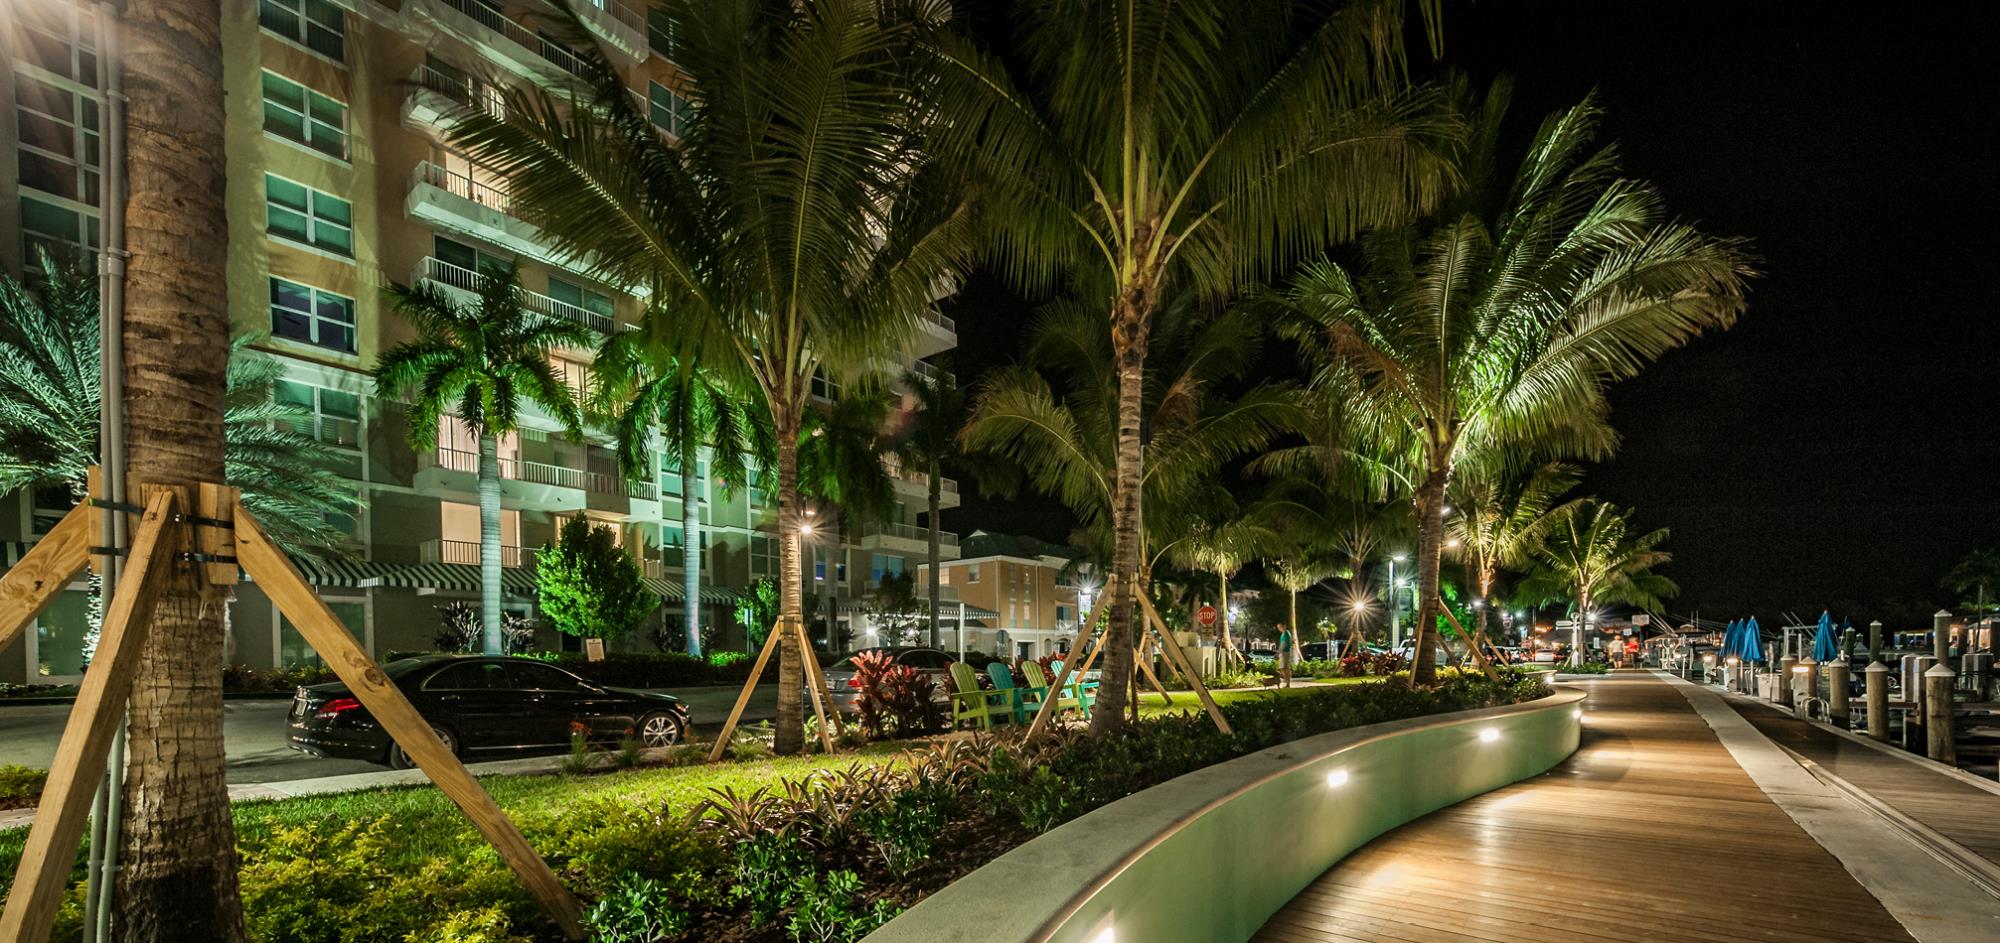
(1877, 678)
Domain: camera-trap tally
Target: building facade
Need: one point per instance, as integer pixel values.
(1028, 590)
(341, 183)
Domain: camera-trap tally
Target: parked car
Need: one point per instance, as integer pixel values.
(1331, 650)
(842, 675)
(483, 706)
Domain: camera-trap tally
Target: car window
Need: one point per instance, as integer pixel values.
(470, 676)
(543, 678)
(927, 659)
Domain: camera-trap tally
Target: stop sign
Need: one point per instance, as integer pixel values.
(1205, 615)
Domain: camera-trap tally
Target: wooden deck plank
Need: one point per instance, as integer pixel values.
(1651, 832)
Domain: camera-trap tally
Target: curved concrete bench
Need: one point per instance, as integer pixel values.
(1209, 856)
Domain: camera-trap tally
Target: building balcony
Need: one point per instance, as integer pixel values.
(466, 553)
(482, 209)
(621, 25)
(434, 95)
(918, 484)
(464, 284)
(936, 333)
(529, 485)
(908, 538)
(508, 43)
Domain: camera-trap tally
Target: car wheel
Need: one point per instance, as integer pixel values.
(659, 729)
(401, 760)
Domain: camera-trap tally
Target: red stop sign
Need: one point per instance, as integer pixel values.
(1205, 615)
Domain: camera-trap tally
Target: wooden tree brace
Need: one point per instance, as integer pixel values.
(815, 681)
(1173, 646)
(1471, 644)
(44, 572)
(64, 809)
(1070, 666)
(280, 580)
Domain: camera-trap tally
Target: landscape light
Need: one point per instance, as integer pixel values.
(806, 529)
(1360, 605)
(1337, 778)
(1105, 936)
(1397, 558)
(1489, 735)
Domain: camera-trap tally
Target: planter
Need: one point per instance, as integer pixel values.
(1211, 855)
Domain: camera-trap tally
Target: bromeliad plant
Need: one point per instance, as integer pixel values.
(894, 696)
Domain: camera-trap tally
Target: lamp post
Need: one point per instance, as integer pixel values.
(1395, 605)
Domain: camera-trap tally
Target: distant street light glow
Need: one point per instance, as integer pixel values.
(1489, 735)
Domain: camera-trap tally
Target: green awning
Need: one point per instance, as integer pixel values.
(335, 571)
(676, 591)
(455, 577)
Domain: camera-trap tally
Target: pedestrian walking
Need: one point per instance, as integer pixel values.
(1284, 655)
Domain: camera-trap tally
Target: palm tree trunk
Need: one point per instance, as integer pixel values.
(1430, 546)
(937, 490)
(789, 736)
(1295, 624)
(489, 546)
(691, 545)
(1128, 340)
(177, 856)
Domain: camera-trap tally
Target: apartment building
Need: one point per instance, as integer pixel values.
(1025, 588)
(341, 183)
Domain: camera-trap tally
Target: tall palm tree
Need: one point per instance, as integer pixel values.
(649, 381)
(933, 437)
(481, 363)
(1500, 517)
(1222, 542)
(1134, 150)
(840, 468)
(795, 217)
(176, 878)
(1497, 327)
(1975, 577)
(1588, 559)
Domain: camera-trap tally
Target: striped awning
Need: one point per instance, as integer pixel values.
(947, 611)
(676, 591)
(334, 571)
(455, 577)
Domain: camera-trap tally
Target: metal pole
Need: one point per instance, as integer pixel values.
(961, 631)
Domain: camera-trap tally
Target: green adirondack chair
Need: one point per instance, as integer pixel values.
(1026, 699)
(1079, 693)
(971, 703)
(1037, 680)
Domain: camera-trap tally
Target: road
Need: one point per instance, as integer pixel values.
(253, 733)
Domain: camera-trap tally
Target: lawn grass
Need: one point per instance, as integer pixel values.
(428, 825)
(1152, 705)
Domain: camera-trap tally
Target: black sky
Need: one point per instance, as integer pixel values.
(1836, 449)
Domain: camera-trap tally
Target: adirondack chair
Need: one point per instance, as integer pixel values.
(1038, 680)
(1027, 698)
(971, 703)
(1081, 693)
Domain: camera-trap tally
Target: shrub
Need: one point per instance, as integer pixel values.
(638, 910)
(904, 828)
(459, 631)
(830, 911)
(20, 785)
(895, 694)
(1587, 668)
(8, 690)
(587, 586)
(763, 873)
(725, 659)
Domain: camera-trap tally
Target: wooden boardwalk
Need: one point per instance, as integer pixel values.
(1959, 811)
(1650, 832)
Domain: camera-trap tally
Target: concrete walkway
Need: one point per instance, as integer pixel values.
(1670, 823)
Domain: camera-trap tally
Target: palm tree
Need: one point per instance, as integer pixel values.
(1222, 543)
(1499, 519)
(1496, 328)
(481, 363)
(1975, 576)
(176, 878)
(932, 438)
(795, 218)
(1588, 559)
(649, 380)
(840, 468)
(1134, 150)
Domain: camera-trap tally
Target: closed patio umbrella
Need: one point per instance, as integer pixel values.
(1751, 647)
(1825, 649)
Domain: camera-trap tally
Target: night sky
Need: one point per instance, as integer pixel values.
(1837, 448)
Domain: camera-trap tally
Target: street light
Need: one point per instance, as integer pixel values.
(1395, 604)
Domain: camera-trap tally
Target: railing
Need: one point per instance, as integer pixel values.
(909, 532)
(925, 370)
(526, 38)
(932, 316)
(895, 469)
(466, 552)
(464, 279)
(464, 90)
(615, 9)
(463, 187)
(542, 473)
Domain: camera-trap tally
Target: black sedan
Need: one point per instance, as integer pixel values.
(489, 707)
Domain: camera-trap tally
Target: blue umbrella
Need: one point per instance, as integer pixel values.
(1752, 646)
(1728, 642)
(1824, 647)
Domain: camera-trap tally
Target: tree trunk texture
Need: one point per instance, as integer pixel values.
(1430, 546)
(691, 546)
(1129, 328)
(177, 879)
(937, 490)
(489, 546)
(790, 734)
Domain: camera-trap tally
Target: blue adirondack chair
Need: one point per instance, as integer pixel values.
(1026, 700)
(1080, 694)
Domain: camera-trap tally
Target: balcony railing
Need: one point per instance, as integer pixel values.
(896, 470)
(464, 187)
(541, 473)
(466, 552)
(462, 90)
(520, 35)
(909, 532)
(932, 316)
(616, 10)
(467, 280)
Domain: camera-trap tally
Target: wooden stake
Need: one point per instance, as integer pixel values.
(64, 809)
(1171, 644)
(1471, 644)
(816, 675)
(1083, 638)
(44, 572)
(1144, 660)
(771, 643)
(797, 628)
(217, 503)
(281, 581)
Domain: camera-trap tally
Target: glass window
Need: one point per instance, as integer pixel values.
(60, 634)
(59, 144)
(670, 110)
(66, 234)
(312, 315)
(972, 572)
(292, 648)
(595, 302)
(763, 555)
(660, 32)
(305, 215)
(533, 677)
(315, 24)
(333, 417)
(473, 676)
(469, 258)
(297, 113)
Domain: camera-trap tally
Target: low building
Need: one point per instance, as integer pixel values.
(1031, 588)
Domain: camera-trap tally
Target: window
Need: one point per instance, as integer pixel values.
(660, 33)
(305, 215)
(56, 38)
(312, 315)
(330, 416)
(59, 140)
(65, 234)
(972, 572)
(882, 564)
(472, 676)
(297, 113)
(574, 374)
(1062, 615)
(763, 555)
(315, 24)
(595, 302)
(543, 678)
(671, 111)
(468, 258)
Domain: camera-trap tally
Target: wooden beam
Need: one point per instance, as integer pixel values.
(809, 664)
(1069, 668)
(1471, 644)
(64, 809)
(1172, 644)
(216, 503)
(281, 581)
(1144, 660)
(44, 572)
(817, 675)
(771, 643)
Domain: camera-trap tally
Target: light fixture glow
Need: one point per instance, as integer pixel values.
(1489, 735)
(1105, 936)
(806, 529)
(1337, 778)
